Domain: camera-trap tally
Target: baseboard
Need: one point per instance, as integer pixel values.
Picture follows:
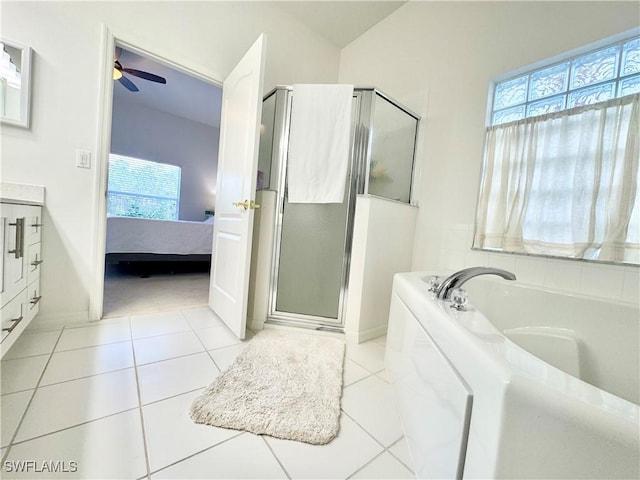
(365, 335)
(256, 324)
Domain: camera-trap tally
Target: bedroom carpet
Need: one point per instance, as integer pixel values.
(283, 384)
(129, 294)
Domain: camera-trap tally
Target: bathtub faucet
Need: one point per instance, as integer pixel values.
(457, 279)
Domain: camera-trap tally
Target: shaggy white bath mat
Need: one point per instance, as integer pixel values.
(283, 384)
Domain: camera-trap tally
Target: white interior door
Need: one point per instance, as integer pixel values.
(236, 185)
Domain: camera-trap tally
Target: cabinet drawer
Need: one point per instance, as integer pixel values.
(33, 224)
(13, 314)
(34, 261)
(33, 299)
(14, 272)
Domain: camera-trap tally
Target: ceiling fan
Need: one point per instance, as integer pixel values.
(119, 70)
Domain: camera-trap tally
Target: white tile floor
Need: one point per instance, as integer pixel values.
(114, 399)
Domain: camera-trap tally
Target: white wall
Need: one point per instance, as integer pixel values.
(438, 59)
(66, 38)
(383, 234)
(142, 132)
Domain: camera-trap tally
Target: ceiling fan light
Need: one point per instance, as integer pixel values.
(116, 74)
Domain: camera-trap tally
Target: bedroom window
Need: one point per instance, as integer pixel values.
(142, 188)
(561, 169)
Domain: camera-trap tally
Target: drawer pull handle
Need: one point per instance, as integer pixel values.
(35, 263)
(19, 250)
(35, 299)
(15, 321)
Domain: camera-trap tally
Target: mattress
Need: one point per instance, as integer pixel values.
(144, 235)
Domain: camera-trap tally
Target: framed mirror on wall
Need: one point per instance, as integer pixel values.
(15, 83)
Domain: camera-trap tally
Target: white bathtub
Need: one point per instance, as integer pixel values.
(483, 399)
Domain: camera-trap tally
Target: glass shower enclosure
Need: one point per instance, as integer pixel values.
(312, 245)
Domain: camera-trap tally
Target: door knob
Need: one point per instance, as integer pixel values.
(247, 205)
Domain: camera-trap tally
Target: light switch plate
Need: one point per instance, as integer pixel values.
(83, 159)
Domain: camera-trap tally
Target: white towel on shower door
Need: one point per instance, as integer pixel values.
(319, 143)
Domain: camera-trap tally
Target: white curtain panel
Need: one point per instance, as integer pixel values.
(564, 184)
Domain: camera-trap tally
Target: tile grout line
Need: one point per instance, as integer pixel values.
(367, 431)
(142, 426)
(84, 377)
(35, 389)
(97, 323)
(24, 335)
(276, 457)
(133, 366)
(362, 366)
(370, 374)
(171, 358)
(193, 329)
(207, 350)
(366, 464)
(388, 449)
(26, 440)
(385, 448)
(411, 469)
(172, 397)
(198, 453)
(69, 350)
(155, 312)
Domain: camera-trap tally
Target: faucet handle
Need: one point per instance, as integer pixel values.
(434, 283)
(459, 299)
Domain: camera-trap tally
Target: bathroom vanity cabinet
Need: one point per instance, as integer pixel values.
(21, 259)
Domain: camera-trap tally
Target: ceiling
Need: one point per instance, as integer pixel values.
(183, 95)
(338, 22)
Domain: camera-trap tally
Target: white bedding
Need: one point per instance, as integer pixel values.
(143, 235)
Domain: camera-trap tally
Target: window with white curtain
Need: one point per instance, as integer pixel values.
(562, 179)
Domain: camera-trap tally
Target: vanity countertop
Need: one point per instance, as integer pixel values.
(21, 193)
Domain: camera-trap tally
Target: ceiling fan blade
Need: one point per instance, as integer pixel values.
(145, 75)
(128, 84)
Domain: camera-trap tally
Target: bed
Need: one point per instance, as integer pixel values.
(143, 239)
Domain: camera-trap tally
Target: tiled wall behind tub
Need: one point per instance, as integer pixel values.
(601, 280)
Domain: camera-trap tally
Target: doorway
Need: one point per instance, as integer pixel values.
(161, 186)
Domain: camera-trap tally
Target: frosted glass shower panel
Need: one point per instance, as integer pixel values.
(311, 259)
(392, 151)
(265, 149)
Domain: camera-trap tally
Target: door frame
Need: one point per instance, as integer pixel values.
(161, 54)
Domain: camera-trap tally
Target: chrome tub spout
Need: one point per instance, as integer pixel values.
(457, 279)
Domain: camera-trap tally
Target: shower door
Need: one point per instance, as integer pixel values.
(312, 252)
